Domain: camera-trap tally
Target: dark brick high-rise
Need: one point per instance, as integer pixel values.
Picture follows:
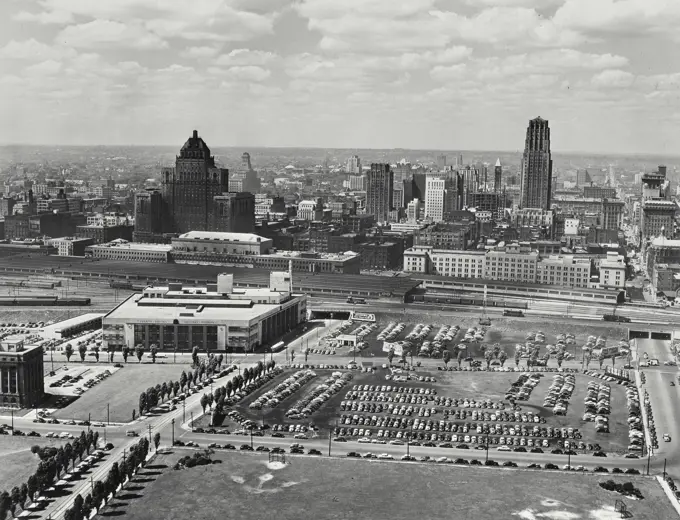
(190, 187)
(536, 174)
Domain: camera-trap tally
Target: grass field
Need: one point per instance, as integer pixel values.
(120, 391)
(17, 463)
(247, 486)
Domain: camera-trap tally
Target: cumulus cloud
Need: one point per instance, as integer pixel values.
(620, 16)
(44, 68)
(200, 52)
(613, 78)
(243, 57)
(110, 34)
(243, 73)
(32, 49)
(44, 17)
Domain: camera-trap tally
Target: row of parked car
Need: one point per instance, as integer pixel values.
(522, 387)
(272, 398)
(391, 331)
(319, 395)
(559, 393)
(597, 404)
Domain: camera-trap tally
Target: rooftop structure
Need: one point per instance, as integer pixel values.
(214, 317)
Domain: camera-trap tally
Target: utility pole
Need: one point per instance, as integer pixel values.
(173, 431)
(664, 469)
(92, 483)
(251, 437)
(649, 454)
(108, 414)
(192, 421)
(184, 410)
(150, 442)
(330, 434)
(12, 410)
(487, 450)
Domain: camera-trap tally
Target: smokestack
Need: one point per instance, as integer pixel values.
(290, 274)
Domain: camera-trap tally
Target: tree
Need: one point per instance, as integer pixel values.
(600, 359)
(151, 398)
(459, 358)
(613, 359)
(78, 504)
(588, 358)
(142, 403)
(518, 356)
(5, 503)
(182, 380)
(68, 351)
(194, 356)
(153, 350)
(220, 360)
(156, 440)
(175, 388)
(488, 356)
(98, 494)
(229, 387)
(24, 495)
(126, 353)
(502, 357)
(15, 495)
(32, 484)
(292, 356)
(496, 350)
(82, 350)
(190, 378)
(95, 439)
(88, 506)
(546, 358)
(139, 352)
(390, 356)
(164, 391)
(559, 357)
(446, 357)
(95, 349)
(112, 351)
(115, 475)
(306, 354)
(69, 514)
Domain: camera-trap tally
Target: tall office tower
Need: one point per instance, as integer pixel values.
(583, 178)
(379, 191)
(245, 162)
(354, 165)
(419, 186)
(470, 182)
(536, 181)
(413, 211)
(441, 162)
(356, 182)
(435, 195)
(497, 176)
(190, 187)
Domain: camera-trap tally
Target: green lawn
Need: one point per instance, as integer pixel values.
(246, 486)
(17, 463)
(120, 391)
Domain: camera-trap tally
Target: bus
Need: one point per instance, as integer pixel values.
(512, 312)
(278, 347)
(351, 299)
(616, 317)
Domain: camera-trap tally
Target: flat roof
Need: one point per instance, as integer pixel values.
(239, 310)
(135, 246)
(157, 274)
(74, 322)
(224, 237)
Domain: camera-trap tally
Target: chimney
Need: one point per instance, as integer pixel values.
(195, 134)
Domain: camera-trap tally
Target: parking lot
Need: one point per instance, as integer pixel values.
(75, 380)
(520, 411)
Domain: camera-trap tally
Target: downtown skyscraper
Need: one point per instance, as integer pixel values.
(536, 173)
(380, 192)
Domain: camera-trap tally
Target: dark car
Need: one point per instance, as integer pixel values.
(339, 439)
(246, 447)
(475, 462)
(509, 464)
(278, 434)
(33, 434)
(462, 447)
(354, 454)
(491, 463)
(599, 454)
(262, 448)
(313, 452)
(460, 461)
(277, 449)
(631, 456)
(229, 447)
(556, 451)
(601, 469)
(520, 449)
(551, 466)
(536, 450)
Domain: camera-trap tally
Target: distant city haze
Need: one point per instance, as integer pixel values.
(422, 74)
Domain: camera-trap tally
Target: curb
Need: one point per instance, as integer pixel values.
(669, 494)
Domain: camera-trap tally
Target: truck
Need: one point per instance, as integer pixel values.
(616, 318)
(352, 299)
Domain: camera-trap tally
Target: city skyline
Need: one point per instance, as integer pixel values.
(274, 73)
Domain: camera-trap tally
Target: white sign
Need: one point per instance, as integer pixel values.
(361, 316)
(396, 347)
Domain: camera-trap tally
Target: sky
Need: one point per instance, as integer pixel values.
(434, 74)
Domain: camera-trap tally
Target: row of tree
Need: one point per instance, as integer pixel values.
(139, 352)
(53, 461)
(101, 490)
(82, 350)
(203, 370)
(232, 386)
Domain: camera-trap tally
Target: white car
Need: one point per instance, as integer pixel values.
(364, 440)
(66, 435)
(385, 456)
(503, 448)
(666, 437)
(50, 434)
